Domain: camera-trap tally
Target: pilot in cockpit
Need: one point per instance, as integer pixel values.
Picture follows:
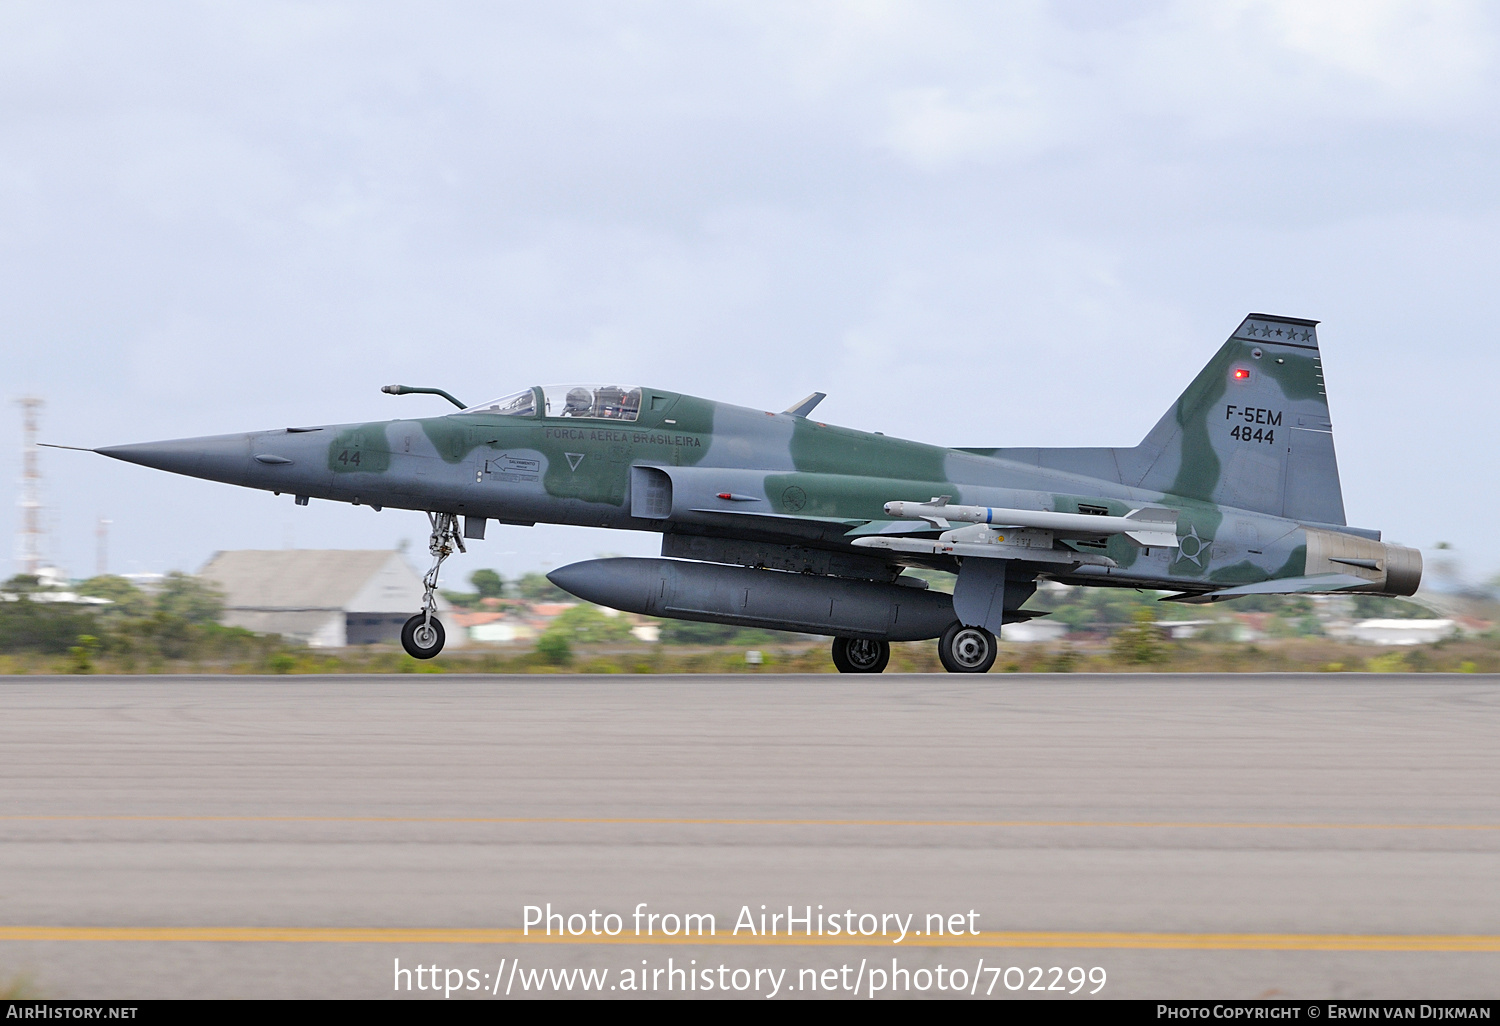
(580, 403)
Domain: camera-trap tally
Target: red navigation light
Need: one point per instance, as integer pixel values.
(1241, 374)
(725, 495)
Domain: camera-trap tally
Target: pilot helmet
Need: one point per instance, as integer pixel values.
(578, 403)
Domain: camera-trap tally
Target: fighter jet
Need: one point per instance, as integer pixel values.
(778, 520)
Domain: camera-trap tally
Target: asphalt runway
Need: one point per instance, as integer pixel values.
(1190, 836)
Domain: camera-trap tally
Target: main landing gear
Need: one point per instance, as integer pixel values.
(962, 650)
(860, 655)
(967, 649)
(423, 635)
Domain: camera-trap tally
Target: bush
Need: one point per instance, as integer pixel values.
(586, 625)
(691, 632)
(27, 626)
(83, 654)
(1390, 662)
(1062, 661)
(554, 648)
(1141, 643)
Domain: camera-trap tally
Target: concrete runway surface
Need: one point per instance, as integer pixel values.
(1191, 836)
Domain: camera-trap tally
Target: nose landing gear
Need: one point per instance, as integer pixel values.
(423, 635)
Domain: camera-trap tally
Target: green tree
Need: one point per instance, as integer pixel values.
(189, 598)
(487, 583)
(127, 598)
(22, 584)
(537, 588)
(1081, 608)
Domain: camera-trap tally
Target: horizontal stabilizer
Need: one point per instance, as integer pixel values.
(1316, 584)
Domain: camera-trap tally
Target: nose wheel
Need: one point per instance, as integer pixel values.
(967, 649)
(860, 655)
(423, 635)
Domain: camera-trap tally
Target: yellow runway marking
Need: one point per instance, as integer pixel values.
(1042, 939)
(668, 821)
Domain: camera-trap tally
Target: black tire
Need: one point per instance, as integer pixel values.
(413, 636)
(967, 649)
(860, 655)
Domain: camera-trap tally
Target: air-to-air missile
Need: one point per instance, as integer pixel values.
(776, 520)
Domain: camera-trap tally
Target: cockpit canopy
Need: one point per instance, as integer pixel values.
(585, 402)
(517, 404)
(596, 402)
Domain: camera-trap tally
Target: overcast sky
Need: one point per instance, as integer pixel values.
(970, 223)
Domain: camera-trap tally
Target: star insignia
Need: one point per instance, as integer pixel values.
(1198, 549)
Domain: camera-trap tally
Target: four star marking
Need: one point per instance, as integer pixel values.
(1266, 331)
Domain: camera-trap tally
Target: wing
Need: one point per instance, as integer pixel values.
(1314, 585)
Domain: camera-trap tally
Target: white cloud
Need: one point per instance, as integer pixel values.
(225, 216)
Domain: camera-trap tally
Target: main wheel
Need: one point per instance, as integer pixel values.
(423, 640)
(860, 655)
(967, 649)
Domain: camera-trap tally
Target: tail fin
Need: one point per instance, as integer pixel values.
(1251, 431)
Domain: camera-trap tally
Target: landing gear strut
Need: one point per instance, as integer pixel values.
(967, 649)
(423, 635)
(860, 655)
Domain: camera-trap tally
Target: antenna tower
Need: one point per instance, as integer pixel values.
(29, 538)
(101, 554)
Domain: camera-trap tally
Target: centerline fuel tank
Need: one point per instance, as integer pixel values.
(769, 599)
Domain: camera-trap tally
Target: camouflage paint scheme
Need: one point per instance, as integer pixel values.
(1245, 456)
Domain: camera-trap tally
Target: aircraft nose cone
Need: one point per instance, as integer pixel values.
(218, 457)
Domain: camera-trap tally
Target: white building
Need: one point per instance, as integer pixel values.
(1402, 632)
(1179, 629)
(328, 598)
(1034, 630)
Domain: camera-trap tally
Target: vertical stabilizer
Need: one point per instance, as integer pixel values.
(1252, 430)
